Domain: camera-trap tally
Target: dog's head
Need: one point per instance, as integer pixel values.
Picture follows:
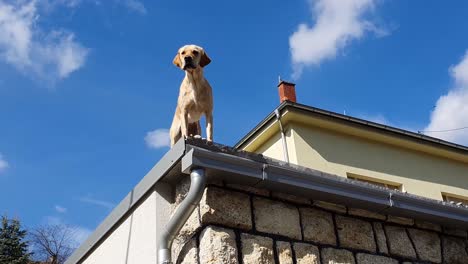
(190, 57)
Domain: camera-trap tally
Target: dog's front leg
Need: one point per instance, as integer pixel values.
(209, 127)
(184, 124)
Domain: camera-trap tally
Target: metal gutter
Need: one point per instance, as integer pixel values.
(353, 120)
(183, 212)
(286, 178)
(128, 204)
(233, 166)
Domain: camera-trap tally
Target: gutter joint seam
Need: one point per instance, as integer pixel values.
(264, 172)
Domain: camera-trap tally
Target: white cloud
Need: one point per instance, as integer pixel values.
(337, 22)
(60, 209)
(3, 163)
(158, 138)
(136, 6)
(133, 5)
(50, 5)
(69, 3)
(50, 55)
(88, 199)
(451, 110)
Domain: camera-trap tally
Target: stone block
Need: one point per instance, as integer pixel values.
(249, 189)
(337, 256)
(331, 206)
(290, 198)
(277, 218)
(427, 245)
(306, 254)
(355, 233)
(257, 249)
(183, 245)
(191, 226)
(318, 226)
(181, 191)
(428, 225)
(373, 259)
(284, 252)
(366, 213)
(399, 243)
(400, 220)
(185, 252)
(218, 246)
(455, 232)
(380, 237)
(455, 251)
(215, 182)
(228, 208)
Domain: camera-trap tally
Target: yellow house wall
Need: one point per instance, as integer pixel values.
(273, 147)
(337, 153)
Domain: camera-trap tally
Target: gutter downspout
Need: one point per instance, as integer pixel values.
(183, 212)
(283, 137)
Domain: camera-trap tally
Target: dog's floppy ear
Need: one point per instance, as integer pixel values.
(176, 60)
(204, 60)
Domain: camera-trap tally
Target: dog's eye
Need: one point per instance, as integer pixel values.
(195, 52)
(183, 52)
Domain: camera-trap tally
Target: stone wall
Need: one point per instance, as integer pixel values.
(241, 224)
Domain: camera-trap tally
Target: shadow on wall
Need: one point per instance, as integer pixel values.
(355, 152)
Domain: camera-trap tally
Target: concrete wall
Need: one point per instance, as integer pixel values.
(134, 240)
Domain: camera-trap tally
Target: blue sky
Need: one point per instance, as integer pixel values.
(88, 89)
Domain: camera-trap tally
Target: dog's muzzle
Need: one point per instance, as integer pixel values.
(189, 66)
(189, 63)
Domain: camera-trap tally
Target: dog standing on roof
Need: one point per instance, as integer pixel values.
(195, 96)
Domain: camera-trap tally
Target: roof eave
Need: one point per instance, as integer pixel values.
(408, 135)
(280, 176)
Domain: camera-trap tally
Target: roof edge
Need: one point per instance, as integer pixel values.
(260, 125)
(419, 138)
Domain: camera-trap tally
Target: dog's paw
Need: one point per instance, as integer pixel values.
(197, 136)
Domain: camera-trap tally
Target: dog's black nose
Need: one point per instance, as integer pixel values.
(188, 59)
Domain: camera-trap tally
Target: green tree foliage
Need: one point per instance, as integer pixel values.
(13, 247)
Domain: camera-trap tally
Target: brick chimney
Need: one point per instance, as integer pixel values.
(287, 91)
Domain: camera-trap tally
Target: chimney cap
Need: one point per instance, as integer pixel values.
(286, 83)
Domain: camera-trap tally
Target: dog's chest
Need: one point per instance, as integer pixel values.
(195, 102)
(194, 112)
